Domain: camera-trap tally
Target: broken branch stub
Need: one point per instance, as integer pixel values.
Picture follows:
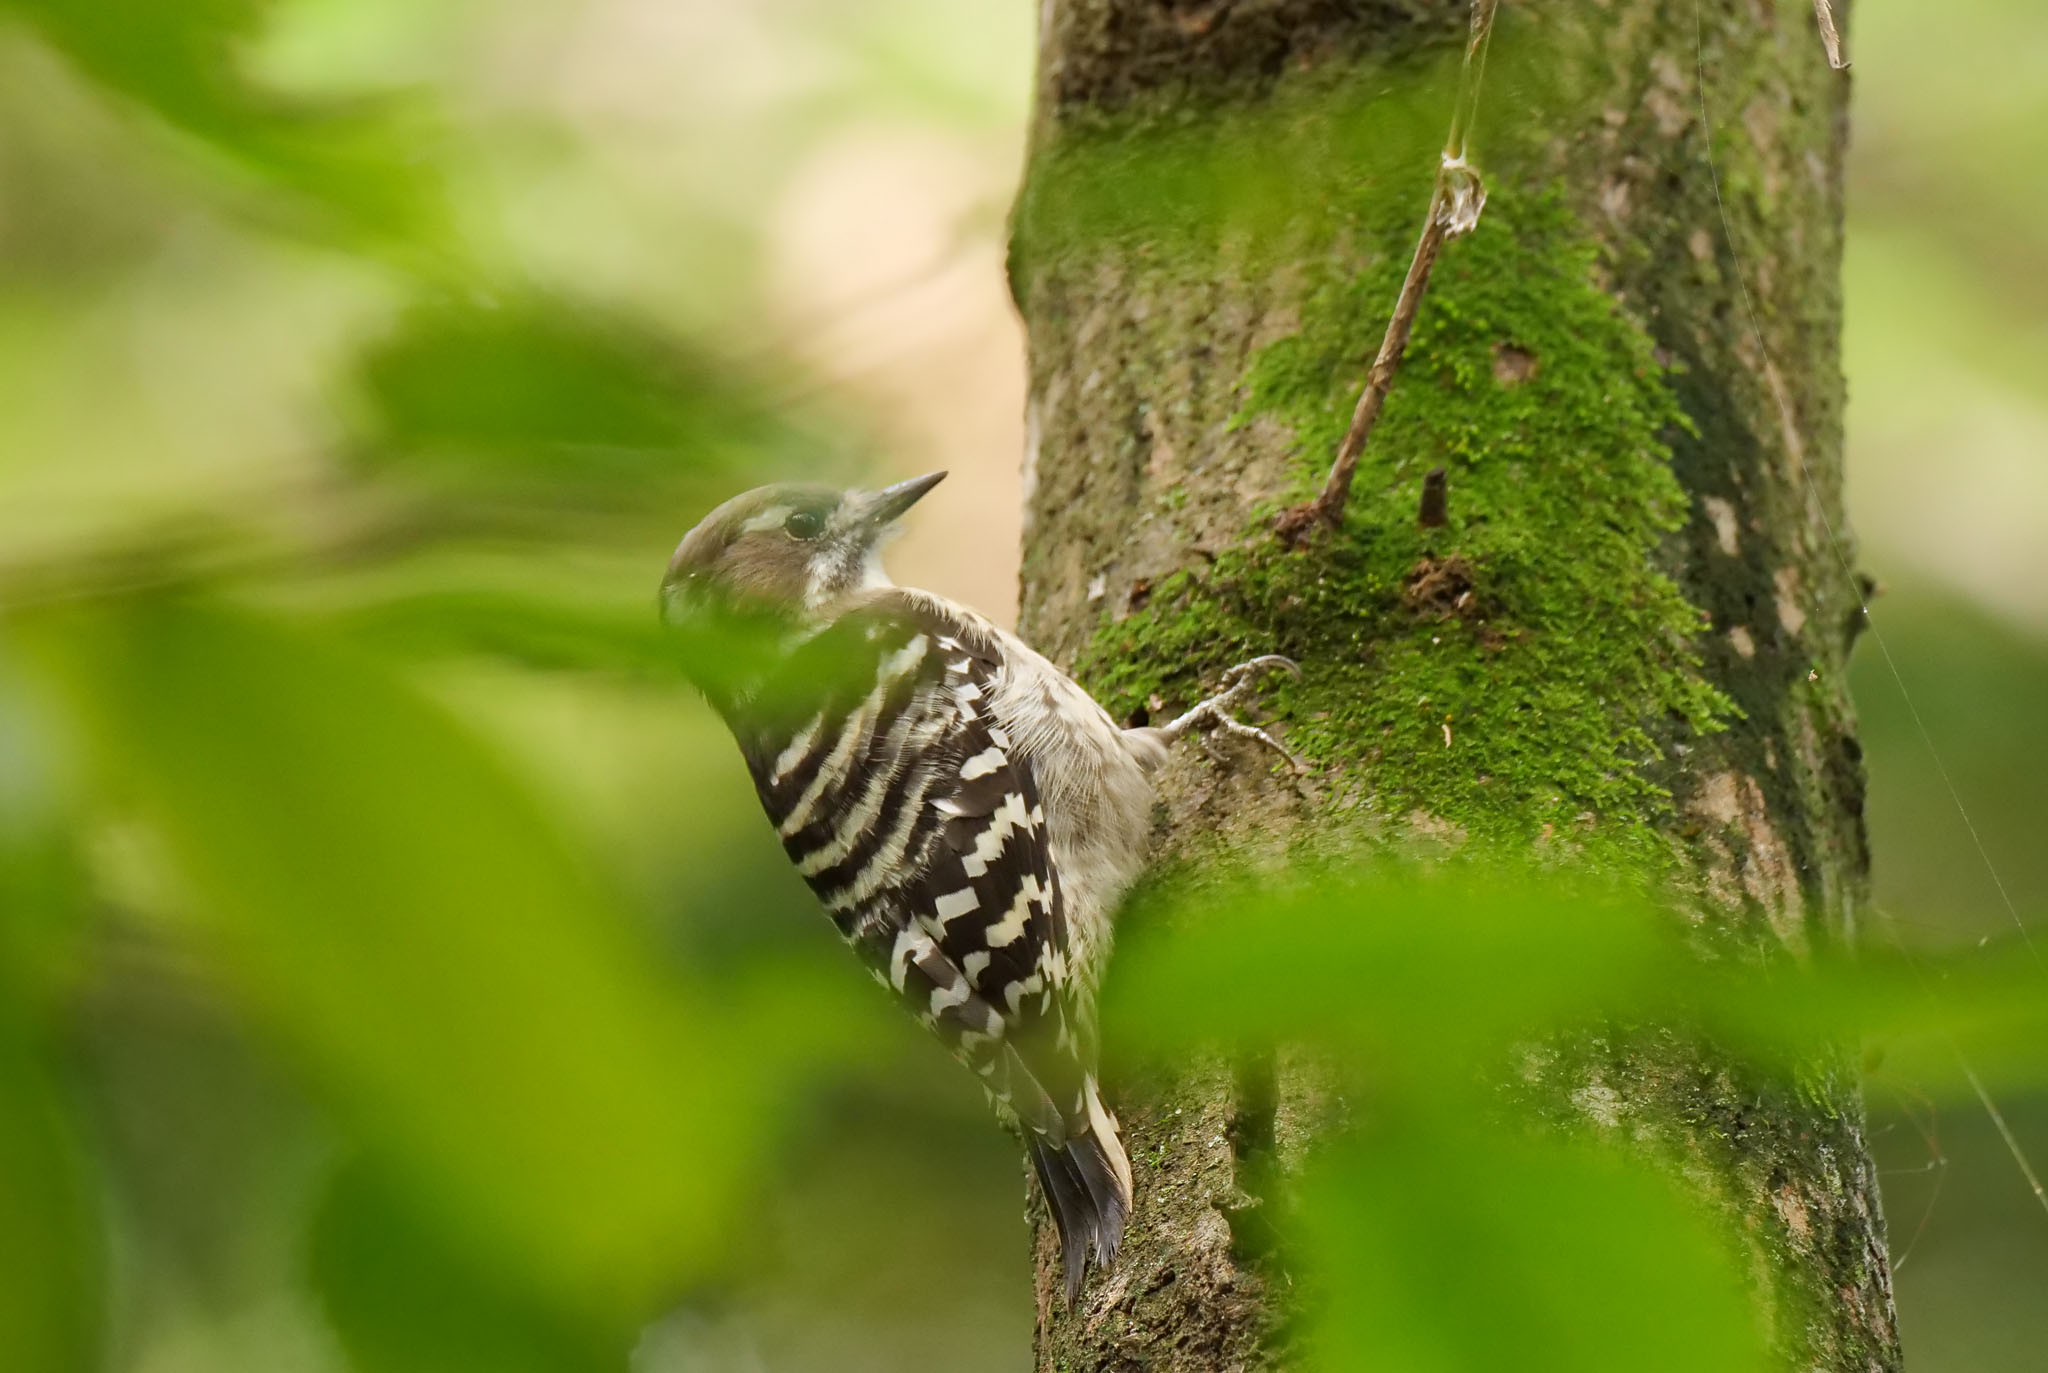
(1436, 504)
(1830, 34)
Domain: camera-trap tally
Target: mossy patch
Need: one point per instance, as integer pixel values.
(1525, 669)
(1236, 183)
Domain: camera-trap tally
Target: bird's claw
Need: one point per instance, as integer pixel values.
(1214, 715)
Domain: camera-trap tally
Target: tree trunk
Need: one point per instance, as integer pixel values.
(1626, 644)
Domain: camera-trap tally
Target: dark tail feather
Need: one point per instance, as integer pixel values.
(1111, 1206)
(1073, 1210)
(1089, 1200)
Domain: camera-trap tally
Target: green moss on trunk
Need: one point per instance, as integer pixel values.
(1517, 671)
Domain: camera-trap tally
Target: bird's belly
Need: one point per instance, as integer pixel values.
(1098, 805)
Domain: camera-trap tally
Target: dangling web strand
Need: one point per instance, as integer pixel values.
(2012, 1142)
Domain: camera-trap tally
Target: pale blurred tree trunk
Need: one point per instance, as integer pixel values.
(1151, 456)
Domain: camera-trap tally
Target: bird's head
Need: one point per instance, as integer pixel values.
(787, 549)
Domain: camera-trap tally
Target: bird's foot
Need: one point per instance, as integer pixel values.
(1214, 714)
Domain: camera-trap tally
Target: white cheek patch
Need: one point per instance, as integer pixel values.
(828, 575)
(840, 567)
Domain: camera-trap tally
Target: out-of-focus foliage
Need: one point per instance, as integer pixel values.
(404, 920)
(1422, 974)
(1505, 1253)
(53, 1306)
(562, 406)
(1443, 1235)
(180, 60)
(52, 1292)
(394, 971)
(402, 1299)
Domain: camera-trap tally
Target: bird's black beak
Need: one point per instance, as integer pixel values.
(885, 507)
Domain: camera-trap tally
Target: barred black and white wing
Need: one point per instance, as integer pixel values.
(920, 825)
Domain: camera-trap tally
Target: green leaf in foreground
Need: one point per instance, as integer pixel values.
(1429, 977)
(403, 1300)
(402, 917)
(1443, 1225)
(355, 166)
(51, 1264)
(1452, 1249)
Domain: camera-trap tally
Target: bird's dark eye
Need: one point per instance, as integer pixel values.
(804, 524)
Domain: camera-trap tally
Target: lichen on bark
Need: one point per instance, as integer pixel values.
(1625, 646)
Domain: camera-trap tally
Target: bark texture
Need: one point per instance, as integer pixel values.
(1627, 641)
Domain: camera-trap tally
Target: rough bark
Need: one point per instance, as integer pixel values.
(1628, 641)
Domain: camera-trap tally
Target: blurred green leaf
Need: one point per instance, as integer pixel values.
(720, 647)
(405, 1299)
(558, 401)
(51, 1263)
(51, 1319)
(42, 874)
(1428, 973)
(1454, 1249)
(1925, 1016)
(532, 630)
(1426, 968)
(397, 910)
(178, 59)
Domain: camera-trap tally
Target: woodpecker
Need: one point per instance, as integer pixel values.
(969, 816)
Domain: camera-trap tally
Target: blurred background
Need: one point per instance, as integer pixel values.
(252, 253)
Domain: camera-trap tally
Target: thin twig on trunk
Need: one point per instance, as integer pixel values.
(1454, 207)
(1830, 34)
